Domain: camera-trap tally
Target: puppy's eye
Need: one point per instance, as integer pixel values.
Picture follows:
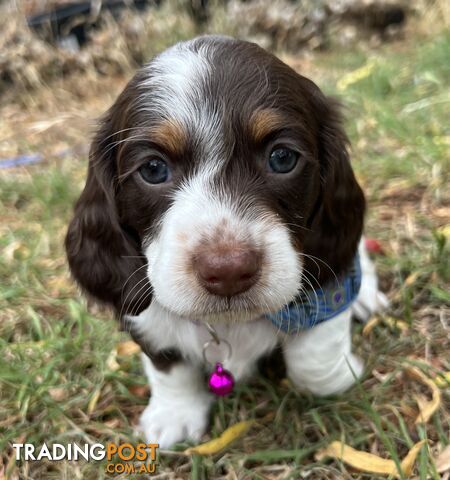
(282, 160)
(155, 171)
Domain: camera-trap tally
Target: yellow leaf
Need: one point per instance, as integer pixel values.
(111, 361)
(369, 326)
(127, 348)
(221, 442)
(445, 231)
(356, 75)
(368, 462)
(411, 279)
(442, 380)
(426, 407)
(389, 321)
(395, 323)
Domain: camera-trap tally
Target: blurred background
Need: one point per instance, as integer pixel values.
(68, 374)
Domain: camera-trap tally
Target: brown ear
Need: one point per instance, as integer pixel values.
(337, 223)
(104, 256)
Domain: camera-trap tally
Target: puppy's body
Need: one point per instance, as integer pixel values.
(219, 189)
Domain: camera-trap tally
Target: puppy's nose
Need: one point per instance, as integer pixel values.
(229, 272)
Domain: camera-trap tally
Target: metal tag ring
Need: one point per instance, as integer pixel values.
(214, 341)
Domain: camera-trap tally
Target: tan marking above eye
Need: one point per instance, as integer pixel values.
(170, 135)
(263, 122)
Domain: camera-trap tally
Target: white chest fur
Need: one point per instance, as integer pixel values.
(162, 329)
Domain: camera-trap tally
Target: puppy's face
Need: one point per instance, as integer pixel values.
(219, 185)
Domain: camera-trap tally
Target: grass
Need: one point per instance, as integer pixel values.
(61, 379)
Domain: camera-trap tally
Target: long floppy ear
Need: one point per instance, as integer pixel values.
(105, 256)
(337, 222)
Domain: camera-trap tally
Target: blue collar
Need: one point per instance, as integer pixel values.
(315, 306)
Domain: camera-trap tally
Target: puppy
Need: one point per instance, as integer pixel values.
(220, 204)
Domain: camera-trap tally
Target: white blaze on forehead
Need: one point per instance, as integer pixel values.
(175, 89)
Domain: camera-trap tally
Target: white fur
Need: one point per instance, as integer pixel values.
(179, 404)
(179, 407)
(197, 211)
(175, 80)
(161, 329)
(370, 299)
(319, 360)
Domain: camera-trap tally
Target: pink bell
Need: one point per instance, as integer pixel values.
(221, 381)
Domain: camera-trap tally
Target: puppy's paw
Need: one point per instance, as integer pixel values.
(167, 422)
(369, 300)
(369, 303)
(331, 379)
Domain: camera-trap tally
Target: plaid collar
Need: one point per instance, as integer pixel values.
(315, 306)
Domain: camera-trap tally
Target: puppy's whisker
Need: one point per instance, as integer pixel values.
(314, 258)
(124, 302)
(132, 274)
(144, 296)
(315, 295)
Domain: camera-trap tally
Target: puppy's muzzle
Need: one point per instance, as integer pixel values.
(227, 270)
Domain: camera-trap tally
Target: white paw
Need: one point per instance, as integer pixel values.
(368, 303)
(337, 378)
(167, 421)
(369, 300)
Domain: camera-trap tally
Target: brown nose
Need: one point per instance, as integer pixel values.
(227, 273)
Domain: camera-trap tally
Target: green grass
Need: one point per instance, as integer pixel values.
(60, 380)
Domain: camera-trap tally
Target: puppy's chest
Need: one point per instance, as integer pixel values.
(241, 344)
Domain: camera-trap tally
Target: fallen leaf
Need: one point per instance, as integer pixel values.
(127, 348)
(367, 462)
(111, 362)
(221, 442)
(442, 461)
(442, 380)
(370, 325)
(411, 279)
(426, 407)
(389, 321)
(396, 323)
(356, 75)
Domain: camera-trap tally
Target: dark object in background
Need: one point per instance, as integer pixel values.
(376, 16)
(199, 11)
(70, 24)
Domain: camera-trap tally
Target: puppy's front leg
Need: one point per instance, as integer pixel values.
(319, 360)
(179, 404)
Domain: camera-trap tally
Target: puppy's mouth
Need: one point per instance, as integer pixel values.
(245, 306)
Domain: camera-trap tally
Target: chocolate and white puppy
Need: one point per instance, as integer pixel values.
(219, 188)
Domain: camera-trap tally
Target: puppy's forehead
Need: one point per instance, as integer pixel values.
(208, 81)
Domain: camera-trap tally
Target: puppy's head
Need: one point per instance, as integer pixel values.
(219, 184)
